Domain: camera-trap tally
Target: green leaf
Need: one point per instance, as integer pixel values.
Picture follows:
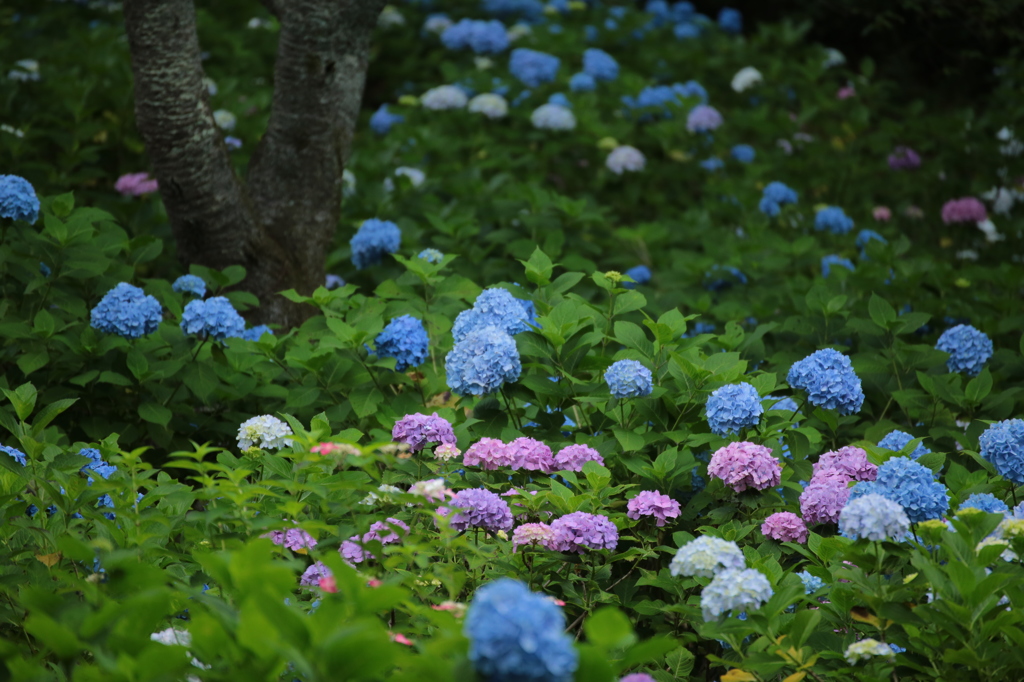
(597, 476)
(50, 412)
(979, 387)
(608, 628)
(155, 413)
(538, 268)
(881, 312)
(23, 399)
(63, 204)
(632, 336)
(629, 301)
(764, 383)
(137, 363)
(33, 360)
(43, 324)
(365, 400)
(630, 441)
(680, 662)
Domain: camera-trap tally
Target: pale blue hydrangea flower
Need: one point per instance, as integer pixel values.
(707, 556)
(734, 590)
(215, 318)
(190, 284)
(1002, 444)
(629, 379)
(444, 97)
(17, 454)
(986, 502)
(730, 20)
(686, 30)
(774, 196)
(431, 256)
(533, 68)
(560, 99)
(527, 10)
(640, 274)
(712, 164)
(491, 105)
(828, 377)
(482, 37)
(405, 339)
(553, 117)
(482, 362)
(833, 219)
(897, 440)
(873, 517)
(732, 408)
(374, 238)
(703, 118)
(599, 64)
(383, 120)
(866, 236)
(127, 311)
(255, 333)
(968, 348)
(812, 583)
(18, 200)
(910, 485)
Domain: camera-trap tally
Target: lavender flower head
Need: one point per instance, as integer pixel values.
(732, 408)
(904, 158)
(735, 590)
(416, 430)
(873, 517)
(785, 527)
(652, 503)
(312, 575)
(479, 508)
(745, 465)
(703, 118)
(828, 377)
(531, 455)
(964, 210)
(824, 497)
(579, 530)
(850, 461)
(489, 454)
(638, 677)
(539, 534)
(294, 539)
(705, 556)
(385, 532)
(573, 457)
(625, 158)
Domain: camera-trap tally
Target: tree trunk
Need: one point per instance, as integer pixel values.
(282, 225)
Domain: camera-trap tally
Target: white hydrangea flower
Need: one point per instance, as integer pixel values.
(967, 254)
(210, 85)
(390, 16)
(865, 649)
(348, 183)
(625, 158)
(224, 119)
(446, 452)
(415, 175)
(553, 117)
(170, 636)
(265, 431)
(436, 24)
(483, 63)
(385, 491)
(1002, 199)
(746, 78)
(257, 22)
(705, 556)
(24, 70)
(833, 57)
(490, 105)
(12, 130)
(434, 490)
(991, 233)
(444, 97)
(734, 590)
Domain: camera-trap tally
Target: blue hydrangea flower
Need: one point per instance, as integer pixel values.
(774, 196)
(730, 20)
(483, 37)
(482, 361)
(533, 68)
(17, 454)
(660, 101)
(1002, 444)
(743, 153)
(686, 30)
(18, 200)
(712, 164)
(827, 262)
(722, 277)
(190, 284)
(734, 590)
(828, 377)
(640, 274)
(691, 90)
(44, 269)
(374, 238)
(986, 502)
(699, 328)
(833, 219)
(873, 517)
(812, 583)
(582, 82)
(897, 440)
(682, 11)
(431, 256)
(785, 404)
(96, 464)
(968, 348)
(215, 318)
(404, 339)
(560, 99)
(257, 332)
(126, 311)
(383, 120)
(528, 10)
(629, 379)
(910, 485)
(332, 282)
(517, 635)
(599, 64)
(493, 307)
(732, 408)
(705, 556)
(866, 236)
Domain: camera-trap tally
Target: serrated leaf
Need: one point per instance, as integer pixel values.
(155, 413)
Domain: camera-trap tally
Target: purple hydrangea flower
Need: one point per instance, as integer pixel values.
(479, 508)
(652, 503)
(573, 457)
(574, 532)
(703, 118)
(745, 465)
(785, 527)
(312, 575)
(416, 430)
(531, 455)
(824, 497)
(904, 158)
(489, 453)
(850, 461)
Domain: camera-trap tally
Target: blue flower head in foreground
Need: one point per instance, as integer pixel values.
(582, 82)
(897, 440)
(214, 318)
(730, 20)
(374, 238)
(968, 348)
(482, 361)
(383, 120)
(599, 64)
(482, 37)
(190, 284)
(732, 408)
(734, 590)
(96, 464)
(516, 635)
(404, 339)
(910, 485)
(1002, 444)
(18, 200)
(833, 219)
(829, 380)
(986, 502)
(827, 263)
(743, 153)
(640, 274)
(533, 68)
(873, 517)
(126, 311)
(629, 379)
(493, 307)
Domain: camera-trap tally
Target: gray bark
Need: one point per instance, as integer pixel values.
(281, 226)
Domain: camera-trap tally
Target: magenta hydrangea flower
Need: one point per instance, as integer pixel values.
(745, 465)
(904, 158)
(531, 455)
(533, 534)
(652, 503)
(824, 497)
(480, 508)
(416, 430)
(851, 461)
(573, 457)
(574, 532)
(488, 453)
(964, 210)
(312, 575)
(785, 527)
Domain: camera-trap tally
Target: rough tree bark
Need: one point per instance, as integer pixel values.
(280, 224)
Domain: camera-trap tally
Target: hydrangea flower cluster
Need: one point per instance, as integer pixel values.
(136, 184)
(600, 65)
(582, 82)
(745, 465)
(415, 176)
(652, 503)
(1002, 444)
(294, 539)
(382, 120)
(373, 240)
(490, 105)
(828, 262)
(866, 236)
(190, 284)
(964, 210)
(579, 530)
(213, 318)
(732, 408)
(904, 158)
(910, 485)
(873, 517)
(265, 431)
(774, 197)
(127, 311)
(865, 649)
(640, 274)
(539, 534)
(482, 362)
(515, 634)
(824, 497)
(432, 256)
(625, 158)
(553, 117)
(730, 20)
(850, 461)
(434, 489)
(573, 457)
(312, 576)
(16, 454)
(828, 377)
(986, 502)
(479, 508)
(489, 454)
(531, 455)
(734, 590)
(533, 68)
(405, 339)
(746, 78)
(743, 153)
(833, 219)
(416, 430)
(968, 348)
(703, 118)
(785, 527)
(706, 556)
(629, 379)
(482, 37)
(638, 677)
(897, 440)
(722, 277)
(494, 307)
(812, 583)
(18, 200)
(444, 97)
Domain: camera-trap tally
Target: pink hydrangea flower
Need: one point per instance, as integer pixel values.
(652, 503)
(914, 212)
(573, 457)
(846, 92)
(881, 213)
(447, 452)
(851, 461)
(531, 455)
(329, 584)
(489, 453)
(745, 465)
(533, 534)
(964, 210)
(824, 497)
(135, 184)
(399, 638)
(785, 527)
